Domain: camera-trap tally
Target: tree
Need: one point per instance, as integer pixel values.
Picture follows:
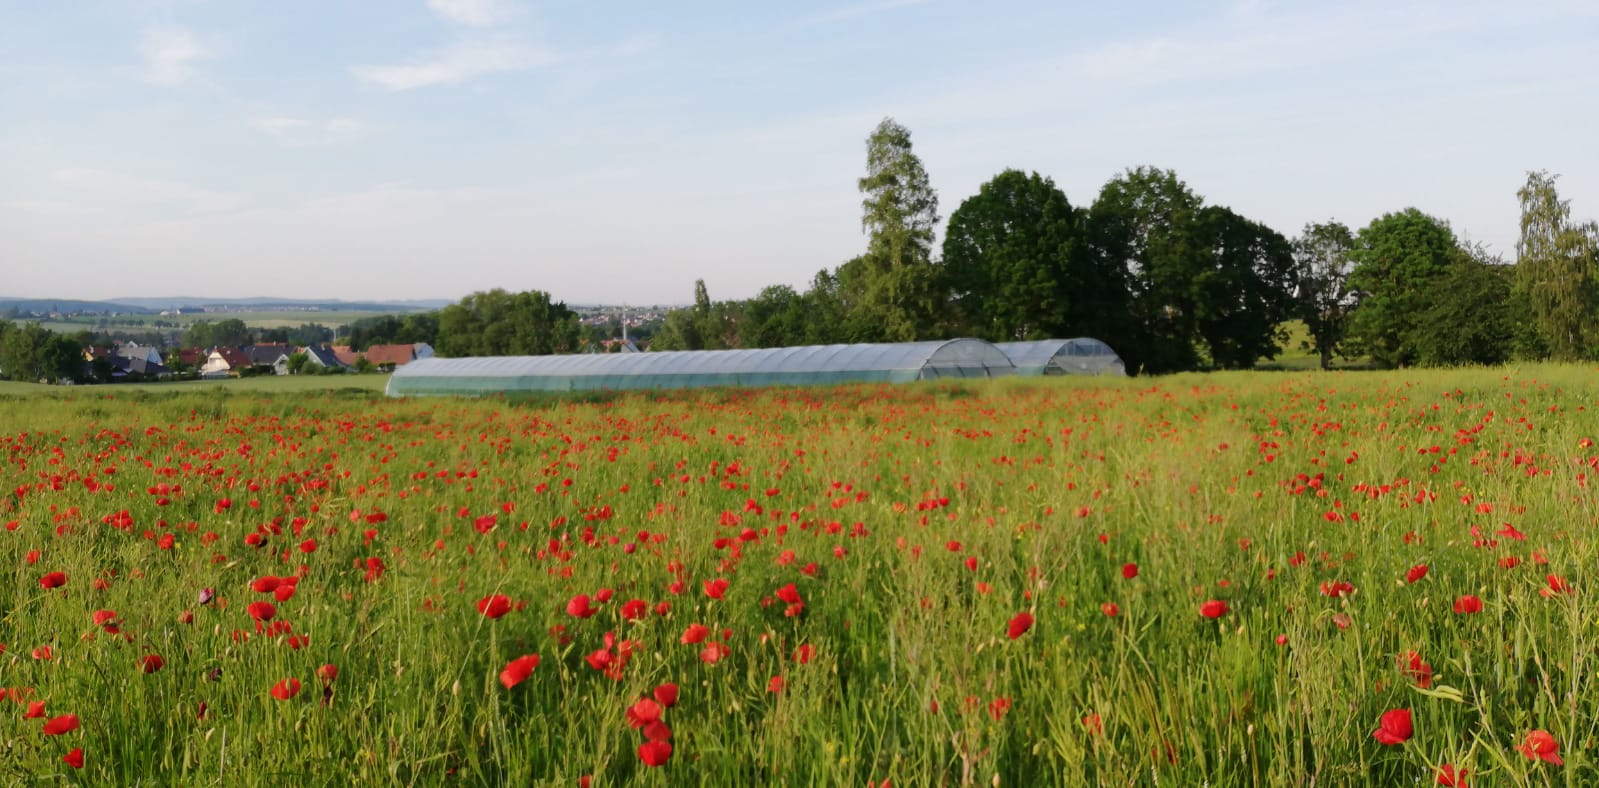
(900, 216)
(1466, 318)
(1145, 222)
(1557, 270)
(231, 332)
(296, 363)
(1398, 258)
(498, 323)
(35, 354)
(1322, 263)
(1244, 291)
(776, 317)
(1017, 267)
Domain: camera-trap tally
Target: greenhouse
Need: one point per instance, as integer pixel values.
(1081, 356)
(789, 366)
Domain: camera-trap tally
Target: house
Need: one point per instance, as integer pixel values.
(346, 355)
(192, 357)
(273, 355)
(135, 350)
(224, 362)
(384, 357)
(322, 356)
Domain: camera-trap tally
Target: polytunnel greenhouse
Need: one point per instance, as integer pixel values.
(1081, 356)
(788, 366)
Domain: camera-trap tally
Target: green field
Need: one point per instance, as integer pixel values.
(1235, 579)
(260, 319)
(264, 384)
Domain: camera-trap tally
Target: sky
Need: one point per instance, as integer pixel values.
(615, 152)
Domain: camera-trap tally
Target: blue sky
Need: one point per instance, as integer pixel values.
(615, 152)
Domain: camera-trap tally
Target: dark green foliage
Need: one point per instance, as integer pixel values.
(499, 323)
(34, 354)
(1466, 318)
(231, 332)
(1398, 259)
(1321, 285)
(1015, 264)
(1556, 271)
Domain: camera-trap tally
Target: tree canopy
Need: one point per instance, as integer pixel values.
(500, 323)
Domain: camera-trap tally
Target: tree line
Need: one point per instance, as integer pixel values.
(1171, 282)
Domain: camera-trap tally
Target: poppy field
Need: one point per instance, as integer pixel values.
(1234, 579)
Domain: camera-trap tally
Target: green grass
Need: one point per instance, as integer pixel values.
(263, 384)
(914, 522)
(253, 319)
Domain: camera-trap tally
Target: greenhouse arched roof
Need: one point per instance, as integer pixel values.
(807, 365)
(1080, 356)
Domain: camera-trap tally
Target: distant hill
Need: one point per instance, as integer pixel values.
(70, 305)
(269, 304)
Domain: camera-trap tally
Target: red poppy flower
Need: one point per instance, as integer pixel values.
(1468, 604)
(713, 652)
(74, 758)
(65, 723)
(1417, 671)
(666, 695)
(642, 713)
(655, 753)
(152, 663)
(1093, 724)
(328, 673)
(635, 609)
(53, 580)
(1214, 608)
(1110, 609)
(1557, 586)
(804, 653)
(103, 617)
(261, 611)
(517, 670)
(578, 607)
(264, 585)
(284, 593)
(35, 710)
(1451, 776)
(775, 685)
(1416, 572)
(1337, 589)
(494, 606)
(286, 689)
(1541, 746)
(657, 731)
(1129, 571)
(1394, 727)
(716, 589)
(694, 634)
(1019, 625)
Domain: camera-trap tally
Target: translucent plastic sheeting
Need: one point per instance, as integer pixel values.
(1080, 356)
(808, 365)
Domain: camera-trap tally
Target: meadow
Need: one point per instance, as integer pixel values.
(1344, 578)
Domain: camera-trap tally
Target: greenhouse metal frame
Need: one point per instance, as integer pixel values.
(789, 366)
(1079, 356)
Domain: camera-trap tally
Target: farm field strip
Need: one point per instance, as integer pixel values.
(1234, 579)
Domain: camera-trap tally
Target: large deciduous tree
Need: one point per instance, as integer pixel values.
(499, 323)
(1322, 263)
(1556, 270)
(901, 299)
(1467, 317)
(1399, 258)
(35, 354)
(1017, 267)
(1243, 291)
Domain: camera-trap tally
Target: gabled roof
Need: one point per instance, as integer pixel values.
(323, 355)
(266, 353)
(396, 355)
(345, 355)
(234, 357)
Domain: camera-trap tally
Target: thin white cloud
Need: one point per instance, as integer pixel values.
(455, 64)
(844, 13)
(169, 54)
(117, 191)
(303, 131)
(473, 13)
